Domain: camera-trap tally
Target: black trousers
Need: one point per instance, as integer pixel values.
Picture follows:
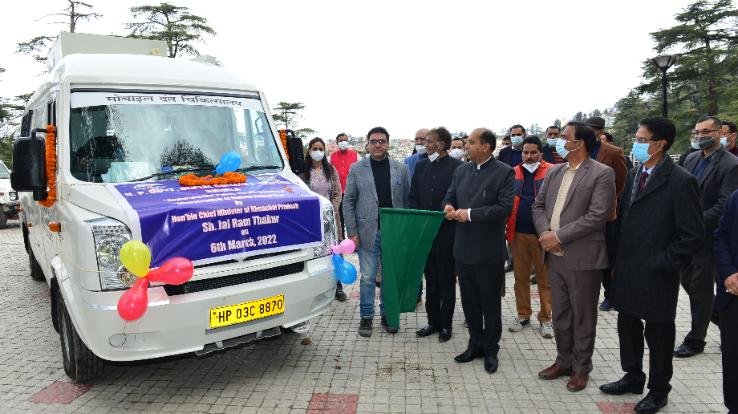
(660, 338)
(729, 341)
(440, 283)
(610, 241)
(698, 279)
(482, 303)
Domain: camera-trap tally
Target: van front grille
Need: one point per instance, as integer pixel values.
(233, 280)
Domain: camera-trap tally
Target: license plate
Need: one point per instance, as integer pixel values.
(247, 311)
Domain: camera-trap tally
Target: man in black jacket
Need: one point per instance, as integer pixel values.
(717, 175)
(428, 187)
(480, 199)
(659, 228)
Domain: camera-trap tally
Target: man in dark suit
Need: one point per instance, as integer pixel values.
(512, 155)
(428, 187)
(659, 228)
(613, 157)
(569, 214)
(717, 174)
(726, 303)
(480, 200)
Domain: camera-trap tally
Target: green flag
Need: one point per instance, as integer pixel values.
(407, 237)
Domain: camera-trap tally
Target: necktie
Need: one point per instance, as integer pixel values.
(642, 181)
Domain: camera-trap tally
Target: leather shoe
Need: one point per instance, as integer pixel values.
(469, 355)
(491, 363)
(553, 372)
(686, 351)
(651, 404)
(426, 331)
(621, 387)
(577, 382)
(444, 335)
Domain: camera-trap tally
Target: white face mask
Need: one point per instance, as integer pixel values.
(551, 142)
(531, 167)
(724, 141)
(317, 155)
(516, 140)
(695, 145)
(343, 145)
(433, 157)
(420, 148)
(457, 153)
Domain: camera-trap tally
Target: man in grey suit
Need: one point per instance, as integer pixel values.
(569, 214)
(372, 183)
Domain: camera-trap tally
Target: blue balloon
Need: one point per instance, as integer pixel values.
(348, 275)
(345, 271)
(229, 162)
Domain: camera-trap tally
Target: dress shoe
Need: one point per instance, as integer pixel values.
(426, 331)
(686, 351)
(491, 363)
(553, 372)
(651, 404)
(444, 335)
(387, 328)
(621, 387)
(508, 267)
(577, 382)
(469, 355)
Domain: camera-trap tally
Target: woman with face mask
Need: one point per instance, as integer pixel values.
(322, 178)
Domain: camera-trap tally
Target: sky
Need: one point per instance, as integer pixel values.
(403, 65)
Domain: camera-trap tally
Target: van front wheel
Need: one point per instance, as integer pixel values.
(36, 273)
(80, 363)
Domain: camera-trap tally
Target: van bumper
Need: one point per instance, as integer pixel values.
(179, 324)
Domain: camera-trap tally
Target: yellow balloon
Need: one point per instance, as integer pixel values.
(136, 257)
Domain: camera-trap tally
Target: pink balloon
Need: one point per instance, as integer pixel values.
(174, 271)
(134, 302)
(348, 246)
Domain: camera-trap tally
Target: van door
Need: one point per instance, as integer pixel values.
(51, 239)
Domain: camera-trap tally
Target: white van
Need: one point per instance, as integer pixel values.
(126, 127)
(8, 198)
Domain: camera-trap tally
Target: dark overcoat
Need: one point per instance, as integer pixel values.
(657, 233)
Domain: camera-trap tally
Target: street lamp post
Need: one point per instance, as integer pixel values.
(664, 62)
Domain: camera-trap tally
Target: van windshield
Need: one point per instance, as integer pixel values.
(4, 173)
(119, 137)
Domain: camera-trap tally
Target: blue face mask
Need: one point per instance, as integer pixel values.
(516, 140)
(640, 152)
(561, 147)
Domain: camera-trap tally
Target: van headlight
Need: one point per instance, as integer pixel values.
(110, 235)
(329, 231)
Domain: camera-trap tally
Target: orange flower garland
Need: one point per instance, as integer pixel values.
(189, 180)
(283, 138)
(50, 166)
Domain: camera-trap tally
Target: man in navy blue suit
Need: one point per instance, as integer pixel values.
(726, 303)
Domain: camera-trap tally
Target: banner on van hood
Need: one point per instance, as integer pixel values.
(213, 223)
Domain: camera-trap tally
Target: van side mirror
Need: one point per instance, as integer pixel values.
(29, 165)
(296, 152)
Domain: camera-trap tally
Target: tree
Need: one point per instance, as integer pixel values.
(38, 46)
(286, 113)
(703, 37)
(535, 129)
(172, 24)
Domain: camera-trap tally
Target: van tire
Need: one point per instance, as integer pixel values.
(80, 363)
(54, 305)
(3, 220)
(36, 273)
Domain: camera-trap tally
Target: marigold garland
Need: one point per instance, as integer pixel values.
(283, 138)
(50, 167)
(189, 180)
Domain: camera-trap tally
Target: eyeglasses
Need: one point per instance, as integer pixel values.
(697, 133)
(378, 141)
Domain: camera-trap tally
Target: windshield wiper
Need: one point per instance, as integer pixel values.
(174, 171)
(260, 167)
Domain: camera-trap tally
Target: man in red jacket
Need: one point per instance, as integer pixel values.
(523, 240)
(342, 160)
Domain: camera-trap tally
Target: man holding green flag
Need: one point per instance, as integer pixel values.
(480, 199)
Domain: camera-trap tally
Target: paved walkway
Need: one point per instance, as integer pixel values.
(338, 372)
